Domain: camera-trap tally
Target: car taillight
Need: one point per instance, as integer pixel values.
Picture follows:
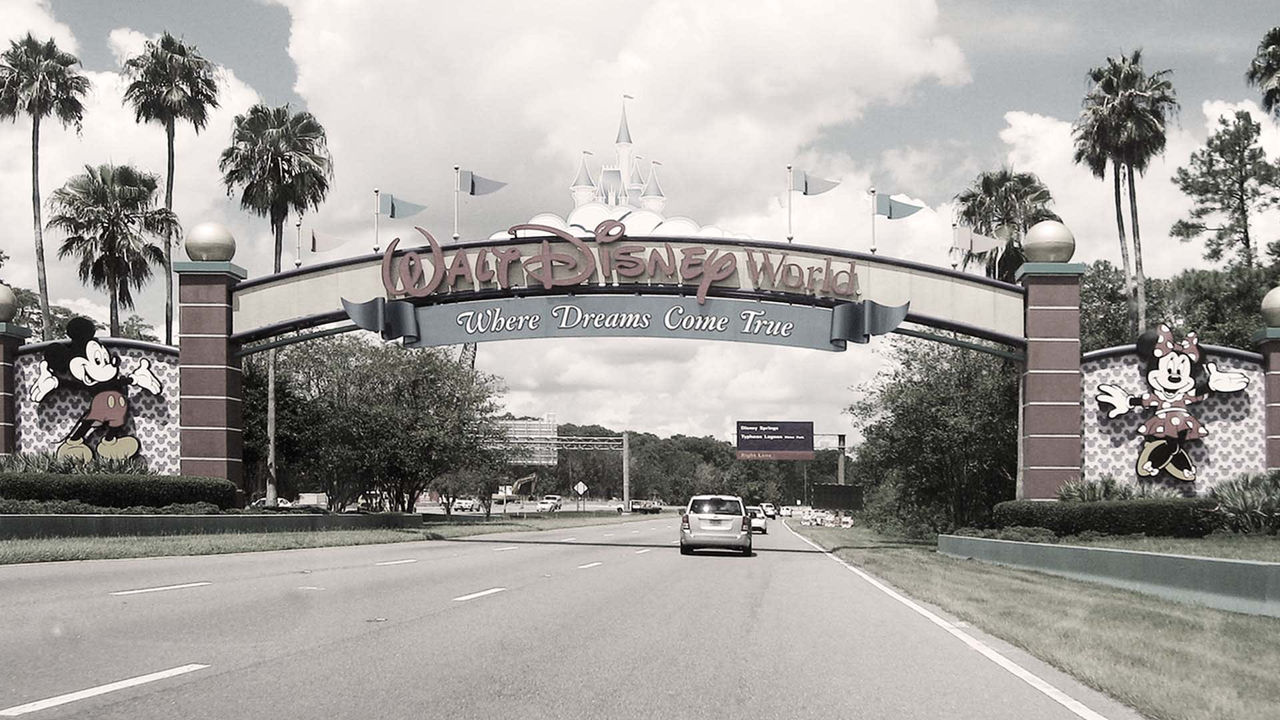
(684, 522)
(746, 523)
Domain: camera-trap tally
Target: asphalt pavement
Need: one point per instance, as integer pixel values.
(606, 621)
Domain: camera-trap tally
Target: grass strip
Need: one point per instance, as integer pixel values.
(1264, 548)
(1168, 660)
(133, 546)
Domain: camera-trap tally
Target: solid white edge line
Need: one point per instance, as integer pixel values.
(30, 707)
(1078, 708)
(482, 593)
(590, 565)
(396, 562)
(161, 588)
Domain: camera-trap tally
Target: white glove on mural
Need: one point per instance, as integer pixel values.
(44, 384)
(1116, 397)
(145, 379)
(1225, 381)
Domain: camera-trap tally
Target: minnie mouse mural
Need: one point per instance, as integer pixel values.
(83, 362)
(1178, 377)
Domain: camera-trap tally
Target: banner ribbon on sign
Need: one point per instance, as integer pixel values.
(852, 322)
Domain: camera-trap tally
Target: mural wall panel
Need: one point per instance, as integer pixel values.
(1235, 421)
(153, 418)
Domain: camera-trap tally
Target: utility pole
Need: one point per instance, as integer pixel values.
(626, 471)
(840, 460)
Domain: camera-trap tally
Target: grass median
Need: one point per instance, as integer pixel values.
(1168, 660)
(132, 546)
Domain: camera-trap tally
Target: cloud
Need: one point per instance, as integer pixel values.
(35, 17)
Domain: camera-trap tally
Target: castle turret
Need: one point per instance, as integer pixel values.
(583, 189)
(635, 184)
(625, 150)
(651, 197)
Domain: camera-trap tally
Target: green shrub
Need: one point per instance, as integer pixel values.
(118, 491)
(1016, 533)
(49, 463)
(1180, 517)
(1250, 503)
(1108, 489)
(75, 507)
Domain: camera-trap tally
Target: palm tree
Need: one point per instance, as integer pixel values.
(1124, 119)
(38, 79)
(1264, 71)
(1003, 204)
(107, 213)
(281, 161)
(170, 82)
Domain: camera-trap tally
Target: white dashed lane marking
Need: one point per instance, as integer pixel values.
(482, 593)
(641, 552)
(396, 562)
(30, 707)
(504, 549)
(161, 588)
(589, 565)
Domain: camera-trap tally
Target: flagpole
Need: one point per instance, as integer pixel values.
(457, 185)
(377, 210)
(297, 248)
(791, 186)
(873, 221)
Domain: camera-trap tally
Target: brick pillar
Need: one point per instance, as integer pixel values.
(209, 371)
(11, 336)
(1269, 345)
(1051, 414)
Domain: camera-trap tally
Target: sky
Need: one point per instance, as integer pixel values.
(912, 97)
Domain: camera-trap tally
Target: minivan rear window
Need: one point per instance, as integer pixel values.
(716, 506)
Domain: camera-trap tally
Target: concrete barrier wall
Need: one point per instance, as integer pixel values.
(34, 526)
(1242, 586)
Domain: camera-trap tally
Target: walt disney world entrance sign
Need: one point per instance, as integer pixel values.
(547, 283)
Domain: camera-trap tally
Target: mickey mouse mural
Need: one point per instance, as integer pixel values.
(1177, 377)
(84, 363)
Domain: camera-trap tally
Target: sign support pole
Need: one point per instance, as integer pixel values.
(840, 460)
(457, 186)
(626, 471)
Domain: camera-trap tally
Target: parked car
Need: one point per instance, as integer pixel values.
(715, 521)
(640, 506)
(758, 520)
(554, 499)
(769, 510)
(785, 511)
(466, 504)
(548, 505)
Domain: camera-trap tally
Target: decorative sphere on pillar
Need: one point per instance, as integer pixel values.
(1049, 241)
(8, 304)
(1271, 307)
(210, 242)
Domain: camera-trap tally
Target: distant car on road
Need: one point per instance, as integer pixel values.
(758, 521)
(769, 510)
(715, 521)
(641, 506)
(466, 505)
(548, 505)
(785, 511)
(553, 499)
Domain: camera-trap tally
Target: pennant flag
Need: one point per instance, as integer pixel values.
(472, 184)
(893, 209)
(810, 185)
(321, 242)
(394, 207)
(964, 238)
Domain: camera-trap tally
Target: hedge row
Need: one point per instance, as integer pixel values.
(1181, 517)
(118, 491)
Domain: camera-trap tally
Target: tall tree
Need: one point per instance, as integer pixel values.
(170, 82)
(281, 162)
(1004, 204)
(1124, 119)
(1228, 179)
(39, 79)
(1264, 71)
(107, 214)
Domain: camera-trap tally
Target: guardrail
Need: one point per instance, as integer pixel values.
(34, 526)
(1242, 586)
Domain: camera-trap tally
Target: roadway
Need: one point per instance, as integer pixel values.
(593, 622)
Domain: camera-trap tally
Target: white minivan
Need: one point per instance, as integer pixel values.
(715, 521)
